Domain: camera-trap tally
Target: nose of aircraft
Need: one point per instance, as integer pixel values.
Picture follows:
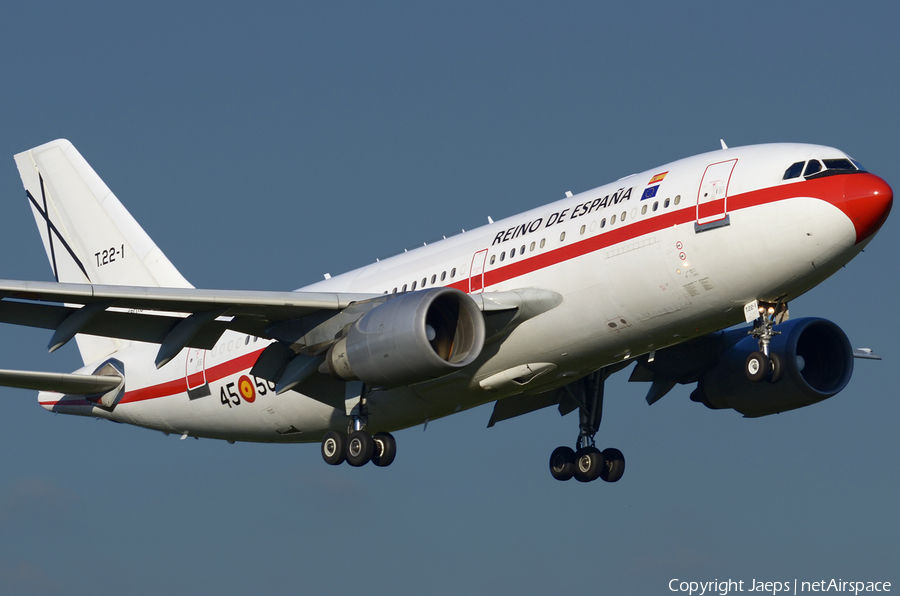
(867, 202)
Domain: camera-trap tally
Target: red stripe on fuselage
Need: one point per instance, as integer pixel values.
(829, 189)
(216, 373)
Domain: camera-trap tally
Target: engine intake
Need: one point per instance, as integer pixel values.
(412, 338)
(818, 361)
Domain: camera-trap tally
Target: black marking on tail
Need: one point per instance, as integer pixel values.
(49, 234)
(52, 231)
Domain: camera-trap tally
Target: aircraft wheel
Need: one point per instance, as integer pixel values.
(614, 465)
(334, 447)
(360, 448)
(777, 365)
(588, 464)
(385, 449)
(562, 463)
(757, 366)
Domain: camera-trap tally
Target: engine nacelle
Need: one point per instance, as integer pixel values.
(409, 339)
(818, 362)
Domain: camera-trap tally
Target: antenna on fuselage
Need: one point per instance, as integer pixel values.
(724, 146)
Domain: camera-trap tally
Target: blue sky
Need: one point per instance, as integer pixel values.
(264, 146)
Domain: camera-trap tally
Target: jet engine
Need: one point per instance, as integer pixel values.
(817, 362)
(412, 338)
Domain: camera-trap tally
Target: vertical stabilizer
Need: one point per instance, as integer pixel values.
(87, 233)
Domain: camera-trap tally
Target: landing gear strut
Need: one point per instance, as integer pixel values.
(359, 447)
(764, 364)
(586, 463)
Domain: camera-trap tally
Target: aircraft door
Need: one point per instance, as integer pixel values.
(712, 198)
(195, 374)
(476, 276)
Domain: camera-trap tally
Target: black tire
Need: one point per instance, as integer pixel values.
(360, 448)
(757, 366)
(589, 463)
(615, 465)
(385, 449)
(562, 463)
(334, 447)
(777, 365)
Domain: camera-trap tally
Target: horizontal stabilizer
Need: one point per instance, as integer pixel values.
(60, 382)
(865, 354)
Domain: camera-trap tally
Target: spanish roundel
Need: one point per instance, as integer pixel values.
(248, 391)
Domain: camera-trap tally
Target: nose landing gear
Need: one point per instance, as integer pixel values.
(586, 463)
(762, 364)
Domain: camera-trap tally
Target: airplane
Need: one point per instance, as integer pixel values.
(658, 269)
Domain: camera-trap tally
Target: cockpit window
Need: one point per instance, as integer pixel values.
(826, 167)
(839, 164)
(793, 171)
(814, 166)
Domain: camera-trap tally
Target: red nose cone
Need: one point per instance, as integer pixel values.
(867, 202)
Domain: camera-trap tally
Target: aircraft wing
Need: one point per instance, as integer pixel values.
(174, 317)
(187, 317)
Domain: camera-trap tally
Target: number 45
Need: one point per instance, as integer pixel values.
(224, 397)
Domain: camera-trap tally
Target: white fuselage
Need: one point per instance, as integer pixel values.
(635, 275)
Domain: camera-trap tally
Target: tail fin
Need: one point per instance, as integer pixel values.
(87, 233)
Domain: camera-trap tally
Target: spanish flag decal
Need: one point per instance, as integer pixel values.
(657, 178)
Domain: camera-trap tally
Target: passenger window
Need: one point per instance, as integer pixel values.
(403, 289)
(612, 220)
(522, 248)
(644, 210)
(562, 236)
(655, 205)
(623, 216)
(493, 258)
(433, 279)
(603, 223)
(813, 167)
(414, 286)
(453, 273)
(531, 248)
(443, 275)
(793, 171)
(543, 241)
(666, 204)
(394, 291)
(582, 230)
(424, 279)
(677, 199)
(512, 253)
(502, 255)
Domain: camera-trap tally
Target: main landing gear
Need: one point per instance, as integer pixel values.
(763, 364)
(586, 463)
(359, 447)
